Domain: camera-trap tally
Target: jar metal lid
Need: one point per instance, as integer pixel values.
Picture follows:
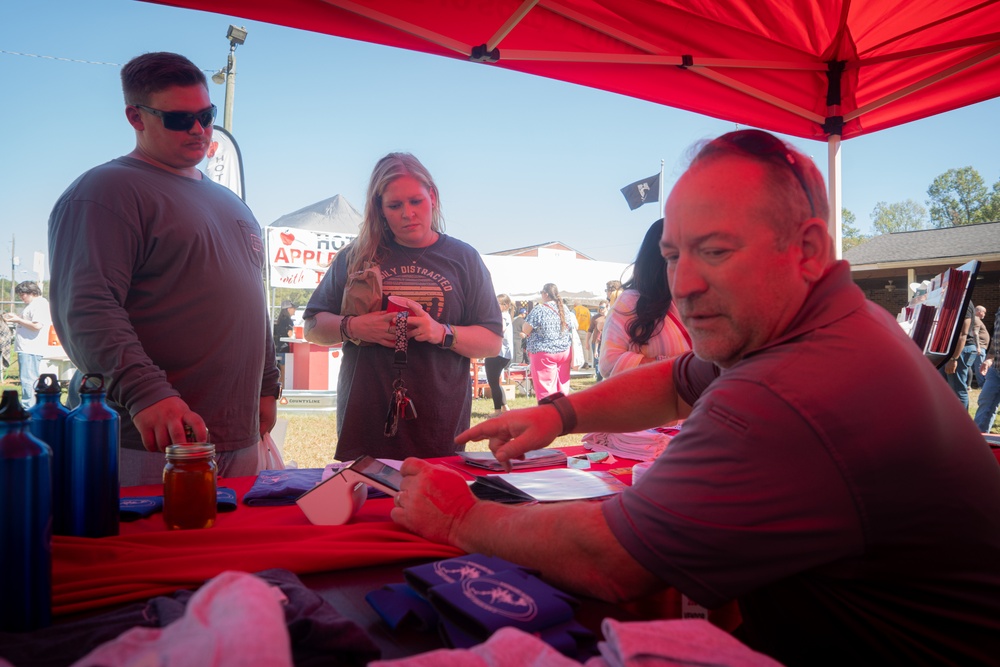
(190, 450)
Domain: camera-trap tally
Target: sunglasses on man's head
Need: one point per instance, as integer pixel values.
(763, 144)
(182, 121)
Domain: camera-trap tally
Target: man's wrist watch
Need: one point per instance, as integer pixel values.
(565, 409)
(274, 393)
(448, 341)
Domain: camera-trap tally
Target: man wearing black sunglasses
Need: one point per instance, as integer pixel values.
(137, 246)
(854, 522)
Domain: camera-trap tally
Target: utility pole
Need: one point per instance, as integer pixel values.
(236, 36)
(13, 267)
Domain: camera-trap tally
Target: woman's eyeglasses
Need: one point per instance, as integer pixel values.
(763, 144)
(182, 121)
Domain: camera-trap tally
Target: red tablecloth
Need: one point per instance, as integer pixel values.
(147, 560)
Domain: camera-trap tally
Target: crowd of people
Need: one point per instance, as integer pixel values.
(847, 534)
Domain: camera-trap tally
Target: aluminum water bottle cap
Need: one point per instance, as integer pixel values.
(48, 383)
(92, 383)
(11, 409)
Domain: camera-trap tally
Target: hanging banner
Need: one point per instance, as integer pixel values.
(300, 258)
(225, 164)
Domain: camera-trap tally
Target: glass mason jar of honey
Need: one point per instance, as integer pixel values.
(189, 480)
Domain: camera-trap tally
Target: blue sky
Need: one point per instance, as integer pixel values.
(519, 160)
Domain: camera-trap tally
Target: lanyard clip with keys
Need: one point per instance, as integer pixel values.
(400, 405)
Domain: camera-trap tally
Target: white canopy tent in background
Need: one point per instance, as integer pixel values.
(584, 280)
(301, 245)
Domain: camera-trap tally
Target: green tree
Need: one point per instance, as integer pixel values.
(904, 216)
(850, 235)
(991, 212)
(959, 197)
(298, 296)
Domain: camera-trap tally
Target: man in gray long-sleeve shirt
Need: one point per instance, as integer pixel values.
(157, 283)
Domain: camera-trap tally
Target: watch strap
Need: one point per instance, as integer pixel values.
(565, 409)
(449, 338)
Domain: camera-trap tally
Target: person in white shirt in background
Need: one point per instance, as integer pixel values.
(32, 336)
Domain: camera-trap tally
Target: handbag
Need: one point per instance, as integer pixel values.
(363, 291)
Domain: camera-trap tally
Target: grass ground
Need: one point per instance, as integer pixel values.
(311, 439)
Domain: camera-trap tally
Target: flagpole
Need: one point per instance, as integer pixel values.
(661, 199)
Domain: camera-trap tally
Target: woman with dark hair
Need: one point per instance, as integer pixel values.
(453, 317)
(495, 365)
(644, 325)
(549, 329)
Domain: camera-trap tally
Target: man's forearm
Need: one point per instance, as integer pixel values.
(580, 556)
(637, 399)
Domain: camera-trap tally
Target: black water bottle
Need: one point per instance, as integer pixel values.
(25, 521)
(92, 435)
(48, 424)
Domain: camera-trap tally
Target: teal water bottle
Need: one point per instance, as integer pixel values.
(48, 424)
(25, 521)
(92, 436)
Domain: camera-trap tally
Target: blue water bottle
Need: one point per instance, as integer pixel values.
(48, 424)
(25, 521)
(92, 435)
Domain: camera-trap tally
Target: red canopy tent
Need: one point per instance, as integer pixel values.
(819, 69)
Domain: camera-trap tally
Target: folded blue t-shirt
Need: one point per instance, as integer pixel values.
(133, 508)
(281, 487)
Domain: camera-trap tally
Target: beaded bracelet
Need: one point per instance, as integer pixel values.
(345, 334)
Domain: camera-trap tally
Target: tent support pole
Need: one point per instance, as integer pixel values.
(836, 222)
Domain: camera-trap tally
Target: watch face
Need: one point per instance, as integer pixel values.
(449, 338)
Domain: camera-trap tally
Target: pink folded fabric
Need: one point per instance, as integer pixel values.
(507, 647)
(232, 621)
(679, 643)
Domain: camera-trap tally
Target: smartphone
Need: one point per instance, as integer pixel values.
(373, 472)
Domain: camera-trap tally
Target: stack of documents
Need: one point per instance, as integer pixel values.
(538, 458)
(546, 486)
